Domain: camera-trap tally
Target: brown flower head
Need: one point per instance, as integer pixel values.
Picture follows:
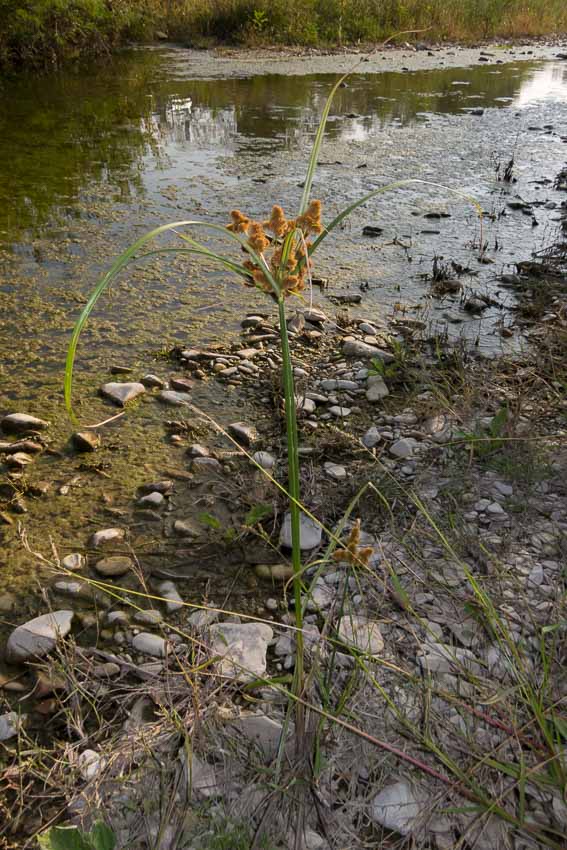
(277, 223)
(239, 223)
(310, 221)
(257, 239)
(353, 553)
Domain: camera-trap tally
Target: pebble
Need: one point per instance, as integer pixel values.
(151, 617)
(152, 381)
(372, 437)
(304, 404)
(121, 393)
(336, 384)
(153, 500)
(165, 487)
(377, 389)
(310, 534)
(339, 412)
(402, 448)
(356, 348)
(75, 561)
(86, 441)
(186, 528)
(22, 423)
(243, 648)
(39, 636)
(334, 470)
(149, 644)
(243, 433)
(90, 764)
(271, 604)
(264, 459)
(10, 724)
(174, 399)
(117, 565)
(206, 463)
(172, 597)
(396, 807)
(362, 633)
(107, 535)
(202, 618)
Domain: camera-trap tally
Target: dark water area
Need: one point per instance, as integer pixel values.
(89, 161)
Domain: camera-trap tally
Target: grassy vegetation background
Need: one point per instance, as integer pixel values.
(44, 32)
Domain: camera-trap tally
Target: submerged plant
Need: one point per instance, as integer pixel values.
(278, 262)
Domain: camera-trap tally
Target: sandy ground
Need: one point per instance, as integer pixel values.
(228, 63)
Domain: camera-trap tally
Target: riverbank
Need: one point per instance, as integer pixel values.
(45, 34)
(448, 605)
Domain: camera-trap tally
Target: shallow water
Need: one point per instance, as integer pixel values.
(90, 160)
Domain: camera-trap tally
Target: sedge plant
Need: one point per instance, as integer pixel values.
(278, 261)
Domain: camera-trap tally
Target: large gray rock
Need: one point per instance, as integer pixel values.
(396, 807)
(310, 533)
(264, 459)
(39, 636)
(242, 647)
(121, 393)
(22, 423)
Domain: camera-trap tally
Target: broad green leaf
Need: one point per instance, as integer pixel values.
(102, 837)
(64, 838)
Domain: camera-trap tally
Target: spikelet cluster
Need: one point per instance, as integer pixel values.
(266, 239)
(353, 553)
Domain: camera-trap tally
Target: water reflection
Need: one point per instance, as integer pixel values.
(111, 125)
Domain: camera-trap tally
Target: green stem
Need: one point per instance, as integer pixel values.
(294, 494)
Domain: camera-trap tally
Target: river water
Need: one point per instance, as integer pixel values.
(90, 160)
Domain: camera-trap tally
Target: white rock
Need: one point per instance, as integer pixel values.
(321, 596)
(339, 412)
(152, 500)
(39, 636)
(536, 576)
(121, 393)
(377, 389)
(75, 561)
(334, 470)
(396, 807)
(107, 535)
(168, 590)
(362, 633)
(243, 648)
(20, 423)
(149, 644)
(304, 404)
(10, 724)
(310, 533)
(264, 459)
(440, 658)
(90, 764)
